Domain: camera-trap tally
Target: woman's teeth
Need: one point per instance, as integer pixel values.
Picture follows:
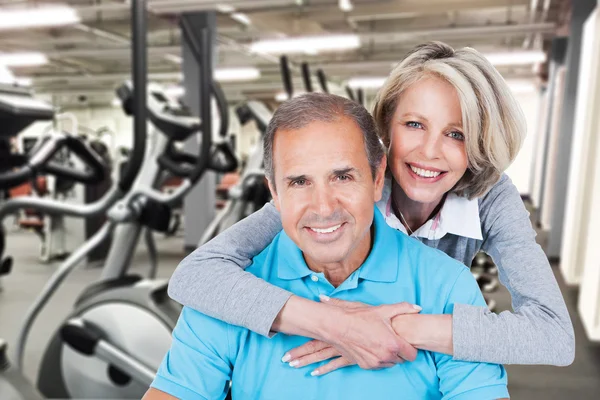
(327, 230)
(425, 173)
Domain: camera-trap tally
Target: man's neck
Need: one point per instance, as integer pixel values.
(414, 213)
(336, 273)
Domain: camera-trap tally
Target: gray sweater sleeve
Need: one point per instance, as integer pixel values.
(212, 279)
(539, 331)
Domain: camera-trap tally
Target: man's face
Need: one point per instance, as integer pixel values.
(325, 191)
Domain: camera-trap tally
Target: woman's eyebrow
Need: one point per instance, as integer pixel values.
(414, 114)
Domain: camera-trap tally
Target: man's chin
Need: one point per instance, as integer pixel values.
(326, 257)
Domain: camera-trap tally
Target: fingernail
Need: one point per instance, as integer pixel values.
(315, 372)
(294, 363)
(416, 307)
(323, 297)
(286, 357)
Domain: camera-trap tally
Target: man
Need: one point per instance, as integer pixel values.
(325, 166)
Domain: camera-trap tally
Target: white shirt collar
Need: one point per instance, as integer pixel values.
(458, 216)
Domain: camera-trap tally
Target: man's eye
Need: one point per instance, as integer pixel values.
(413, 124)
(299, 182)
(343, 178)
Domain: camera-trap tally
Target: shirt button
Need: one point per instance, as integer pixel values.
(314, 278)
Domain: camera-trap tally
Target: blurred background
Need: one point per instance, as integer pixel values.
(73, 54)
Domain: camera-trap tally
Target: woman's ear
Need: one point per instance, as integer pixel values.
(380, 179)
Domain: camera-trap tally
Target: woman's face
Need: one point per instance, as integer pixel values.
(427, 142)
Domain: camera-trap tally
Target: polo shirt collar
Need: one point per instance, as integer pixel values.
(380, 265)
(458, 216)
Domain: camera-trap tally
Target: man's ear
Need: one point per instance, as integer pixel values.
(380, 179)
(274, 195)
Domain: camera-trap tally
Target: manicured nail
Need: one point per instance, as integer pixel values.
(286, 357)
(323, 297)
(315, 373)
(294, 363)
(416, 307)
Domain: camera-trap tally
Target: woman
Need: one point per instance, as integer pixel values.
(451, 127)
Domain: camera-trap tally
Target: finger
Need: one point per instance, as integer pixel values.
(306, 349)
(406, 351)
(341, 303)
(319, 356)
(391, 310)
(332, 366)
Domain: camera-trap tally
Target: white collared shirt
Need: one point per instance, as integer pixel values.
(458, 216)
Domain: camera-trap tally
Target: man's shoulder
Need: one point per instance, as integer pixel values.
(263, 262)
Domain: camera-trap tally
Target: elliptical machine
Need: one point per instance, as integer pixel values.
(18, 109)
(120, 329)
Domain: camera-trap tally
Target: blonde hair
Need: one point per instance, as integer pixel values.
(493, 122)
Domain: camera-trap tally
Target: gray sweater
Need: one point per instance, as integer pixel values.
(212, 280)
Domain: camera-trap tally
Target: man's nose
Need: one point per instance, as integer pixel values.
(324, 201)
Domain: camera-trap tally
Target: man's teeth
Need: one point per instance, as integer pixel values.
(424, 173)
(327, 230)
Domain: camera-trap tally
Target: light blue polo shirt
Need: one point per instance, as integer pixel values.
(206, 354)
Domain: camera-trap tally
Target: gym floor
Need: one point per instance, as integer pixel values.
(581, 380)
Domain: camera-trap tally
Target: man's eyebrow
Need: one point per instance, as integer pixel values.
(295, 177)
(344, 171)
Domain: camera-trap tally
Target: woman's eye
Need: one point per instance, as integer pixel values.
(413, 124)
(456, 135)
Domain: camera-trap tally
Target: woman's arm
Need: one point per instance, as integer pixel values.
(540, 329)
(211, 279)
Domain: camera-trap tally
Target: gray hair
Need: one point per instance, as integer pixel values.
(324, 107)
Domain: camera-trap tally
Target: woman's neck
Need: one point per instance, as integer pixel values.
(415, 213)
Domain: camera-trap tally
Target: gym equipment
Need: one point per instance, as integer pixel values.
(120, 328)
(17, 110)
(485, 273)
(251, 192)
(16, 102)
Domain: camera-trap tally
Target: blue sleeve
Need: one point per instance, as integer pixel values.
(198, 364)
(462, 380)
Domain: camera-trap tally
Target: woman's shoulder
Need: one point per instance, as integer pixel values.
(502, 197)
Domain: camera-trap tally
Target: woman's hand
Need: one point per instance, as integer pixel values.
(363, 335)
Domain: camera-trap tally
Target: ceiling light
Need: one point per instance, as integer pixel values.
(516, 57)
(241, 18)
(301, 44)
(236, 74)
(366, 82)
(6, 75)
(283, 96)
(225, 8)
(173, 58)
(23, 59)
(37, 17)
(24, 82)
(346, 5)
